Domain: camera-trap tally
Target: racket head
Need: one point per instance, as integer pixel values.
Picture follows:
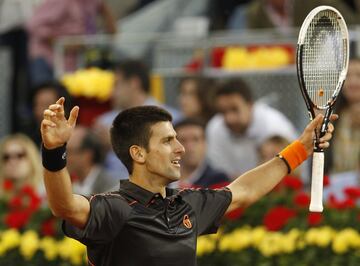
(322, 57)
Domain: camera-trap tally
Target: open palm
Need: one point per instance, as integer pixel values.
(55, 128)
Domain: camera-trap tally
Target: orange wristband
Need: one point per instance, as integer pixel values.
(293, 155)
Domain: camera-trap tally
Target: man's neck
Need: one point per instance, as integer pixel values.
(151, 184)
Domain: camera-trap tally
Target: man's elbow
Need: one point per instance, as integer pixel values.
(243, 198)
(62, 212)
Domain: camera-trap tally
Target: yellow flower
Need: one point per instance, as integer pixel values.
(29, 244)
(258, 235)
(72, 250)
(10, 239)
(205, 244)
(271, 244)
(345, 240)
(49, 246)
(235, 241)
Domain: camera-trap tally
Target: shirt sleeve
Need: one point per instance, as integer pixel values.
(108, 214)
(209, 205)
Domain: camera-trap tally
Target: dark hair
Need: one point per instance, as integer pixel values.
(92, 143)
(205, 91)
(133, 127)
(135, 68)
(59, 89)
(235, 86)
(189, 122)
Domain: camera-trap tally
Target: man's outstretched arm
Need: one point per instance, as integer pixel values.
(254, 184)
(55, 132)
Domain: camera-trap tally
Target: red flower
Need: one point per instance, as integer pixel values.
(16, 202)
(314, 218)
(17, 219)
(352, 192)
(48, 227)
(278, 217)
(8, 185)
(302, 199)
(326, 181)
(292, 182)
(235, 214)
(340, 204)
(35, 202)
(28, 190)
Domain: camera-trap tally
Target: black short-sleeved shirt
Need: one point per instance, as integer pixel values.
(134, 227)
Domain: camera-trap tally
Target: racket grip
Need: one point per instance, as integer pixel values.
(316, 202)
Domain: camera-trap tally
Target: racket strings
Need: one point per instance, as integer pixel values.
(323, 57)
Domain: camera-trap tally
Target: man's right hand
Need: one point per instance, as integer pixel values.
(55, 128)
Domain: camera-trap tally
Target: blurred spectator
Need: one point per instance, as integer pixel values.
(196, 170)
(234, 134)
(221, 10)
(196, 96)
(84, 156)
(132, 88)
(20, 163)
(345, 148)
(53, 19)
(41, 97)
(13, 36)
(283, 14)
(120, 9)
(270, 147)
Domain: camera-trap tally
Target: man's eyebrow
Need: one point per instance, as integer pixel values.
(169, 137)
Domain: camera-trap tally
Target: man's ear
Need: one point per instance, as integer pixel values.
(137, 153)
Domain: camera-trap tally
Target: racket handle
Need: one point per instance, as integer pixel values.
(316, 202)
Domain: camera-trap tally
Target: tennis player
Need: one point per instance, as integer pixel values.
(144, 222)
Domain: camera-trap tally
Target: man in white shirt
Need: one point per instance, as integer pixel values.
(234, 134)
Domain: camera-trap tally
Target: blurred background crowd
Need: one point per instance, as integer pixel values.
(223, 68)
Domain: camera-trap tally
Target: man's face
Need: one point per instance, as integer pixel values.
(165, 152)
(122, 92)
(236, 111)
(193, 139)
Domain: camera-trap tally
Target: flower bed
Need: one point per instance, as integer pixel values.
(279, 230)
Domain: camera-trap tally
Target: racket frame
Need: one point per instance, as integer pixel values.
(316, 204)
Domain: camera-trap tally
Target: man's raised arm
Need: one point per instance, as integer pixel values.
(55, 132)
(251, 186)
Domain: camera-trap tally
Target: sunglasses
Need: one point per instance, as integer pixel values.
(16, 155)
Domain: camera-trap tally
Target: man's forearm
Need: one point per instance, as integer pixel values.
(63, 203)
(59, 191)
(254, 184)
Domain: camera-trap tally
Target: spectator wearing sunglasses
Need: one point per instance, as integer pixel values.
(20, 163)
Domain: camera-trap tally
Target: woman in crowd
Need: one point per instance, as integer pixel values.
(20, 163)
(196, 98)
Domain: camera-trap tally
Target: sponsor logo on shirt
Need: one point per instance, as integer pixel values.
(186, 221)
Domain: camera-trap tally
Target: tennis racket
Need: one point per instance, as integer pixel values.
(322, 58)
